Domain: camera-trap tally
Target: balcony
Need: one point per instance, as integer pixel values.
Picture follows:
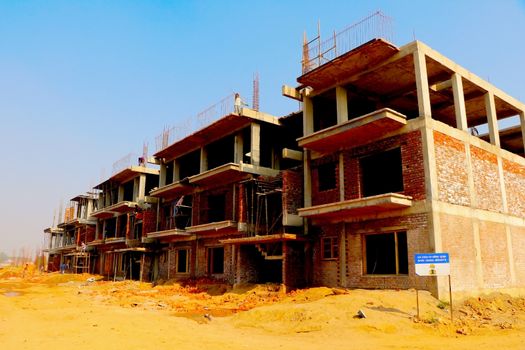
(109, 211)
(354, 132)
(356, 208)
(175, 189)
(226, 226)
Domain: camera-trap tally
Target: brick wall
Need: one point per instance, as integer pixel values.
(514, 177)
(518, 253)
(326, 272)
(451, 165)
(292, 190)
(458, 240)
(327, 196)
(294, 275)
(412, 164)
(494, 255)
(149, 221)
(200, 204)
(202, 256)
(486, 179)
(416, 227)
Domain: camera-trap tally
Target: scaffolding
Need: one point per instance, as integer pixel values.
(187, 126)
(317, 52)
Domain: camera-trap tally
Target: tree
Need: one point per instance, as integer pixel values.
(3, 257)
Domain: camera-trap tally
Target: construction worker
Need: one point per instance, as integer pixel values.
(238, 104)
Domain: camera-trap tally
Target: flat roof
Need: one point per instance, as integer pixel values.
(222, 127)
(127, 174)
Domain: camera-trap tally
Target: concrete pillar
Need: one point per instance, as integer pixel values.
(204, 160)
(459, 102)
(120, 193)
(176, 170)
(342, 104)
(522, 123)
(238, 148)
(162, 175)
(307, 180)
(142, 187)
(342, 257)
(308, 116)
(423, 94)
(341, 177)
(255, 147)
(492, 120)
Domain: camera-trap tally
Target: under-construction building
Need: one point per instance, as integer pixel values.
(225, 207)
(66, 242)
(125, 214)
(407, 152)
(397, 150)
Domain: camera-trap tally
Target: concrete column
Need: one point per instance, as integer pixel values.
(204, 160)
(255, 147)
(342, 257)
(341, 177)
(492, 120)
(522, 123)
(459, 102)
(142, 187)
(308, 116)
(120, 193)
(423, 94)
(162, 176)
(176, 170)
(342, 104)
(238, 148)
(307, 180)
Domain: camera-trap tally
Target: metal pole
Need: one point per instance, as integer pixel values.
(450, 294)
(417, 302)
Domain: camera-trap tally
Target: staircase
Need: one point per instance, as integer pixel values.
(270, 251)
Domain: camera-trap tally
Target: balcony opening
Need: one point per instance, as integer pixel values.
(110, 228)
(169, 172)
(382, 173)
(326, 176)
(324, 110)
(215, 260)
(122, 225)
(216, 208)
(189, 164)
(128, 190)
(220, 152)
(137, 229)
(386, 254)
(152, 181)
(177, 214)
(183, 261)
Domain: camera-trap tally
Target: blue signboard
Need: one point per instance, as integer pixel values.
(432, 264)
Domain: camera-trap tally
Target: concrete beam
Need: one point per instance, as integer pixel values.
(447, 84)
(492, 120)
(341, 98)
(459, 102)
(291, 92)
(423, 94)
(292, 154)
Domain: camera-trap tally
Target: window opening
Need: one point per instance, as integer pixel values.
(386, 253)
(382, 173)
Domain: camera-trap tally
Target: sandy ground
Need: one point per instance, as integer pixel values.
(67, 312)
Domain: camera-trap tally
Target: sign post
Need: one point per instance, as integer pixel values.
(433, 264)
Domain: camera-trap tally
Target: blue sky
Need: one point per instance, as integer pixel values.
(83, 83)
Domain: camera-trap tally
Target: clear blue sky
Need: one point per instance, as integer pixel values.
(83, 83)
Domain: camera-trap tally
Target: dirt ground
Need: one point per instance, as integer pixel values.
(55, 311)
